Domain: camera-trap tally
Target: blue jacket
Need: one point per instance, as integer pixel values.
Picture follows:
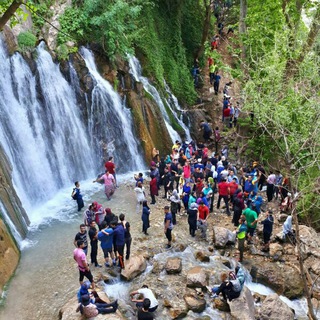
(119, 234)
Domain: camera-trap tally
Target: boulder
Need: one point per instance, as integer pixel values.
(221, 305)
(135, 266)
(173, 265)
(194, 302)
(68, 311)
(310, 241)
(197, 278)
(178, 312)
(202, 256)
(273, 308)
(282, 217)
(243, 308)
(283, 278)
(276, 249)
(223, 236)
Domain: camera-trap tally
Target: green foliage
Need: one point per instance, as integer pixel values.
(161, 43)
(40, 10)
(26, 41)
(73, 25)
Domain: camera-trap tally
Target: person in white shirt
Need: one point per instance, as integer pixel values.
(146, 293)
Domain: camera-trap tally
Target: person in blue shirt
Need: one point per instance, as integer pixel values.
(119, 234)
(76, 195)
(105, 236)
(216, 83)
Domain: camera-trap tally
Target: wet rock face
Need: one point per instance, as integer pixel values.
(202, 256)
(283, 278)
(273, 308)
(194, 302)
(133, 267)
(243, 307)
(173, 265)
(197, 278)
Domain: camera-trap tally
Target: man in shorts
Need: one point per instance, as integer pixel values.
(106, 238)
(80, 257)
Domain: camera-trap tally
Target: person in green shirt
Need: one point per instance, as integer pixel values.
(252, 219)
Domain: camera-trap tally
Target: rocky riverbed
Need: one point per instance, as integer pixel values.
(179, 276)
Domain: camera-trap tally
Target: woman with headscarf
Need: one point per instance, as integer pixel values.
(140, 194)
(192, 199)
(185, 194)
(220, 168)
(192, 218)
(145, 217)
(99, 212)
(153, 189)
(208, 192)
(175, 205)
(238, 206)
(287, 231)
(212, 184)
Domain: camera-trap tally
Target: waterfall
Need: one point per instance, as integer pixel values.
(44, 134)
(110, 121)
(175, 108)
(136, 71)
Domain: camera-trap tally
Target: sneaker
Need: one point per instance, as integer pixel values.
(114, 262)
(168, 246)
(214, 296)
(97, 265)
(107, 265)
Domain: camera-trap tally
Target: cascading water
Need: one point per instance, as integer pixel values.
(43, 132)
(136, 71)
(174, 106)
(110, 122)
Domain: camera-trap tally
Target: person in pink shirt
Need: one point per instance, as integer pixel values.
(80, 257)
(187, 171)
(109, 184)
(271, 180)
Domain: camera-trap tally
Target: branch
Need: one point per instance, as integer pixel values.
(9, 12)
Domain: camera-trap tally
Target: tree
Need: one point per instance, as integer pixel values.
(207, 4)
(9, 12)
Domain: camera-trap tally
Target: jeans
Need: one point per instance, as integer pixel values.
(225, 198)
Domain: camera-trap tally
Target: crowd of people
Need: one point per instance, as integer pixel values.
(194, 180)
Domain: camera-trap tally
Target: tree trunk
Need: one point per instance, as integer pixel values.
(306, 290)
(205, 30)
(243, 26)
(9, 12)
(292, 66)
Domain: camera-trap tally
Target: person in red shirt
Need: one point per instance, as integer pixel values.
(224, 192)
(233, 186)
(202, 220)
(111, 167)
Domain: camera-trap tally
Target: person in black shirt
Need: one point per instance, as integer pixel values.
(143, 313)
(109, 216)
(93, 235)
(267, 230)
(167, 182)
(127, 235)
(82, 235)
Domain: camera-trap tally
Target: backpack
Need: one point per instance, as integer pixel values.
(74, 194)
